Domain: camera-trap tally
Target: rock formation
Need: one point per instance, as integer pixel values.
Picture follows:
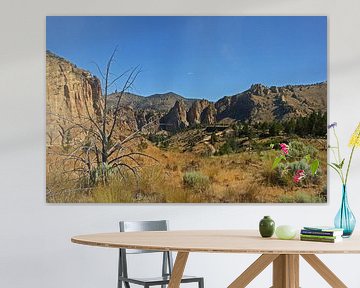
(258, 89)
(71, 95)
(176, 118)
(208, 115)
(238, 107)
(201, 112)
(149, 119)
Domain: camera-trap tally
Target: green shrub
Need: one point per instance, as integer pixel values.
(196, 181)
(229, 147)
(298, 150)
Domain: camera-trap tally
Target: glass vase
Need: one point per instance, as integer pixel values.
(345, 219)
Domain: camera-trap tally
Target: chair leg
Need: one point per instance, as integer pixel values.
(201, 283)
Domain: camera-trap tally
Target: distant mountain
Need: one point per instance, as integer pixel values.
(158, 102)
(257, 104)
(261, 103)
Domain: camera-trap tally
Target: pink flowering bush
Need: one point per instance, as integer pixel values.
(284, 148)
(299, 175)
(296, 160)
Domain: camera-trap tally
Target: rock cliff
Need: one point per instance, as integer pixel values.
(201, 112)
(176, 118)
(71, 95)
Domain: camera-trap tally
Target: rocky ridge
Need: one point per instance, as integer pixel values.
(159, 102)
(261, 103)
(73, 93)
(257, 104)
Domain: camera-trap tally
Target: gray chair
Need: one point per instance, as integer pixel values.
(167, 265)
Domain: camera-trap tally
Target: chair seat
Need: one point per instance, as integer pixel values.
(158, 280)
(167, 261)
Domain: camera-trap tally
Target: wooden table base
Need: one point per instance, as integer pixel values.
(286, 271)
(324, 271)
(253, 270)
(178, 270)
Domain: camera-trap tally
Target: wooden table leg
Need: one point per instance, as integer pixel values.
(253, 270)
(293, 262)
(286, 271)
(178, 270)
(324, 271)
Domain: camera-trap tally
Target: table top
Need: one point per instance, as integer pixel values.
(217, 241)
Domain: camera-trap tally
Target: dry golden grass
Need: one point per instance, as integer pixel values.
(245, 177)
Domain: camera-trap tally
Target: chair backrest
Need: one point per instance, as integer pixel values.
(138, 226)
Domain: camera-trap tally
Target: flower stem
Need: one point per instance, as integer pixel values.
(339, 155)
(338, 145)
(348, 166)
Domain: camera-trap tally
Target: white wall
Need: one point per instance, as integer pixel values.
(35, 248)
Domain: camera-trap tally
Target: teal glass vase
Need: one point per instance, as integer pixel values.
(345, 219)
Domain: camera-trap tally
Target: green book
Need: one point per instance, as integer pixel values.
(325, 240)
(319, 236)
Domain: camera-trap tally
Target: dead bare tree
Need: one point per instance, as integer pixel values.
(98, 150)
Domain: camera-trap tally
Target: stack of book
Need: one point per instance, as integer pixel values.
(321, 234)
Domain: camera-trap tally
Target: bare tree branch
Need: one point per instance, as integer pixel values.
(131, 78)
(98, 147)
(99, 70)
(130, 155)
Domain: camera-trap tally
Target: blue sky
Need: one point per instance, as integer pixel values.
(197, 57)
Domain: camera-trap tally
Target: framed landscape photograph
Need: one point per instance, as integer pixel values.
(190, 109)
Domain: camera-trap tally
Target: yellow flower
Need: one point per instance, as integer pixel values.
(355, 138)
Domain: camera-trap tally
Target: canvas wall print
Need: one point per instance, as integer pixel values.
(157, 109)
